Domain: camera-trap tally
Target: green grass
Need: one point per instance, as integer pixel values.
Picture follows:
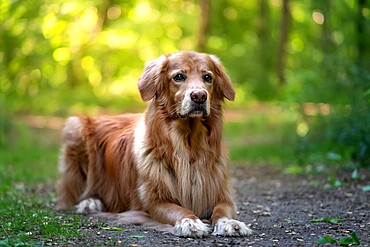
(28, 170)
(29, 156)
(27, 219)
(262, 136)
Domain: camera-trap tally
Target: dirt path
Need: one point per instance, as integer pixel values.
(278, 208)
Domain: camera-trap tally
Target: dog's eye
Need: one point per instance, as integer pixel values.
(179, 78)
(207, 78)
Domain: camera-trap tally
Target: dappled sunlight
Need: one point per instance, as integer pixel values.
(230, 13)
(302, 128)
(118, 38)
(297, 44)
(314, 109)
(114, 12)
(144, 11)
(318, 17)
(62, 55)
(298, 13)
(126, 86)
(41, 122)
(78, 34)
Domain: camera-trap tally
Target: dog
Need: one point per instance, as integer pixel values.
(168, 162)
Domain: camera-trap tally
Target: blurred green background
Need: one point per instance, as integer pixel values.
(300, 68)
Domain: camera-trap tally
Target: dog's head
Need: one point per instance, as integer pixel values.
(187, 84)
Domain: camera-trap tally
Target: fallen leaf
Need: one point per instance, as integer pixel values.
(112, 228)
(67, 224)
(366, 188)
(328, 220)
(353, 239)
(355, 174)
(137, 236)
(326, 240)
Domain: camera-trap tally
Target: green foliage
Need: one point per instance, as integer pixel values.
(96, 50)
(343, 136)
(72, 57)
(343, 133)
(84, 54)
(333, 183)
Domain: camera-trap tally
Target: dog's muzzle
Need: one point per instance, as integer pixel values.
(195, 104)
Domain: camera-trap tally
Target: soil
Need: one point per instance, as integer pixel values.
(277, 206)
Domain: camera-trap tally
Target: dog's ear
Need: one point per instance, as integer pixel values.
(149, 79)
(225, 84)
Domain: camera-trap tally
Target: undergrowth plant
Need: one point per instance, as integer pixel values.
(343, 137)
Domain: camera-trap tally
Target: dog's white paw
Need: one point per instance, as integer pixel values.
(89, 206)
(191, 228)
(229, 227)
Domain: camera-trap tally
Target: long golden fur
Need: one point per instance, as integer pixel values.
(167, 162)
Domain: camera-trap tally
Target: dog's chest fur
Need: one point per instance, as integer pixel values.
(186, 176)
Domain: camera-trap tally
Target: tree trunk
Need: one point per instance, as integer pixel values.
(327, 43)
(102, 17)
(284, 31)
(263, 87)
(203, 25)
(362, 38)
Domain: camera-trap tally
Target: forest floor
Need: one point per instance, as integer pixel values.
(282, 209)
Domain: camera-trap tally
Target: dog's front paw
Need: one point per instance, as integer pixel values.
(191, 228)
(229, 227)
(89, 206)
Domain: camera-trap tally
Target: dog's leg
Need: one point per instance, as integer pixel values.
(89, 206)
(224, 224)
(72, 165)
(185, 223)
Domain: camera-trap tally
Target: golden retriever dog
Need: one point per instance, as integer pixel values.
(167, 162)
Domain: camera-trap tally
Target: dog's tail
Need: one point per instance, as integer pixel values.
(137, 218)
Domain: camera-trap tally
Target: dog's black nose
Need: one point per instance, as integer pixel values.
(198, 96)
